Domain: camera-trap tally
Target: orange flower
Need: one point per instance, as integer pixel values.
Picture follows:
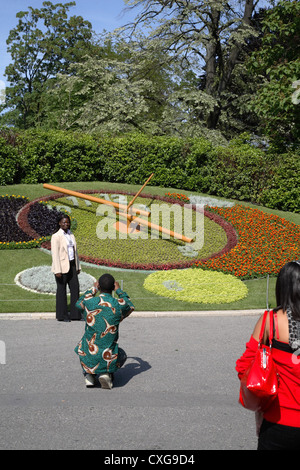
(266, 243)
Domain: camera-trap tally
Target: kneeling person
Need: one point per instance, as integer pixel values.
(98, 350)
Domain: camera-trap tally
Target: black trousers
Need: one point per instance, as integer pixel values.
(70, 279)
(274, 436)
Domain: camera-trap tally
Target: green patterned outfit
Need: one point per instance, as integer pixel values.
(98, 348)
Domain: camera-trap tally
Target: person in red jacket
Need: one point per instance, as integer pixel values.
(280, 428)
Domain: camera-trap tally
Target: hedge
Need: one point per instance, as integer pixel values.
(238, 171)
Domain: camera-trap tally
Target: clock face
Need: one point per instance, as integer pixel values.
(148, 238)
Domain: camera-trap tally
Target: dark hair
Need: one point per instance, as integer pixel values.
(106, 283)
(62, 216)
(288, 288)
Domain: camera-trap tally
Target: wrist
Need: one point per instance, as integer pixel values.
(94, 290)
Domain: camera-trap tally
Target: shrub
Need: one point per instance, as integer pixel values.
(132, 158)
(58, 156)
(237, 171)
(9, 163)
(283, 191)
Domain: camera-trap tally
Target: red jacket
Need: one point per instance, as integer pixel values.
(285, 409)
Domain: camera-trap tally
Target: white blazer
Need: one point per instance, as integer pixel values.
(59, 251)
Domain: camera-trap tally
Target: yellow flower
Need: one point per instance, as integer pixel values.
(196, 285)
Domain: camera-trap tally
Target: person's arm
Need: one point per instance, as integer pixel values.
(88, 294)
(257, 328)
(245, 360)
(55, 256)
(125, 303)
(243, 363)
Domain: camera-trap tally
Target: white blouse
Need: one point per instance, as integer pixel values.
(69, 243)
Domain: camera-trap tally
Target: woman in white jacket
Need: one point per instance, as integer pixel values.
(66, 267)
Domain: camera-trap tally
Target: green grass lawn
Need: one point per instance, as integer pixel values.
(15, 299)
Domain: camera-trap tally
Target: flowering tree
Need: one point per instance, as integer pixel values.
(206, 37)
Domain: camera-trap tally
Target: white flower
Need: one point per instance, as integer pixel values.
(41, 279)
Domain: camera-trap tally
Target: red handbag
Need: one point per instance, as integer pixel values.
(259, 384)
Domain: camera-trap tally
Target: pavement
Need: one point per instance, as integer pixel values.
(144, 314)
(177, 392)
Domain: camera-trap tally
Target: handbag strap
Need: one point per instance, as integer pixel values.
(276, 325)
(262, 330)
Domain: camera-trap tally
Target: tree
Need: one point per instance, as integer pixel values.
(118, 88)
(277, 64)
(44, 43)
(206, 37)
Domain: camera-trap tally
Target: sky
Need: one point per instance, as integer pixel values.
(102, 14)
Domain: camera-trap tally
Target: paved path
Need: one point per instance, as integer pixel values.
(178, 390)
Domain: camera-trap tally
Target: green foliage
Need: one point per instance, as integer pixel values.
(44, 43)
(132, 158)
(205, 38)
(186, 77)
(283, 189)
(238, 171)
(57, 156)
(277, 63)
(9, 163)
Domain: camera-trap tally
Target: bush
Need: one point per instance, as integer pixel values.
(237, 171)
(49, 156)
(132, 158)
(9, 163)
(283, 191)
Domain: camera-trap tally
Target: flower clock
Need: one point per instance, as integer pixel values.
(239, 243)
(146, 251)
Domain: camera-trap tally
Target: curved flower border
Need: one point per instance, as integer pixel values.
(227, 227)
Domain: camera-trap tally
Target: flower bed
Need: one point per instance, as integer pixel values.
(178, 197)
(11, 234)
(266, 243)
(40, 279)
(135, 254)
(197, 286)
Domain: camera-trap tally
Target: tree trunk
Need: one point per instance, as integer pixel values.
(226, 67)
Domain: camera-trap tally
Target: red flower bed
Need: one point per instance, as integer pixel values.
(178, 197)
(266, 243)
